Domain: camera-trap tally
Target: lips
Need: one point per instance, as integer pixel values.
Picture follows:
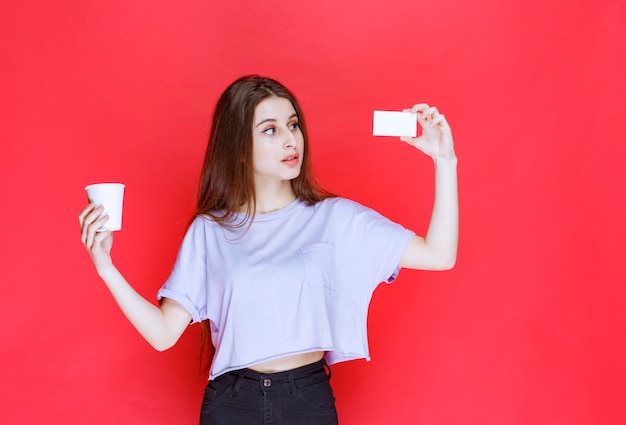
(291, 158)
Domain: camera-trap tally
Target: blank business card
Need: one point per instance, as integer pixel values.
(391, 123)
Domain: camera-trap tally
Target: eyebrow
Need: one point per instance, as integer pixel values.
(294, 115)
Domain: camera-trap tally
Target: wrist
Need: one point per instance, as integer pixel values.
(105, 270)
(450, 160)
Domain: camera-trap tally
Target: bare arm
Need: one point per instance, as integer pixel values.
(160, 325)
(438, 249)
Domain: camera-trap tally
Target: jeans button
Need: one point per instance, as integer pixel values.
(267, 383)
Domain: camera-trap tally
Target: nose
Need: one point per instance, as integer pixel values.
(289, 140)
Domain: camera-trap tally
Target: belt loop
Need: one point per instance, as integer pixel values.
(329, 373)
(292, 385)
(237, 385)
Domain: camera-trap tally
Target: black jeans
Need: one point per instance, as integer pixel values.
(300, 396)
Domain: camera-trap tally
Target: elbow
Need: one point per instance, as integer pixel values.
(447, 263)
(162, 344)
(161, 348)
(448, 266)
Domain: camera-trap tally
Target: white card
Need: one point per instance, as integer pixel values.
(388, 123)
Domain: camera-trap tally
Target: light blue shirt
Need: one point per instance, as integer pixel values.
(298, 280)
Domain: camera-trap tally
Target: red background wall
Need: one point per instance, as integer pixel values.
(529, 328)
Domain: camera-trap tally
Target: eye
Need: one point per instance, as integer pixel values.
(270, 130)
(294, 126)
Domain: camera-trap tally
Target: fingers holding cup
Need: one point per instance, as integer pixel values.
(91, 221)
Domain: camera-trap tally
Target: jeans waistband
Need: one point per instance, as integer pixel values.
(302, 376)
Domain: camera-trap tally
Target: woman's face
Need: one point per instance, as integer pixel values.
(278, 144)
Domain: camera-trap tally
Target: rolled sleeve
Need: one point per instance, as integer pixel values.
(188, 282)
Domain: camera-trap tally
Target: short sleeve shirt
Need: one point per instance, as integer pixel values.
(296, 280)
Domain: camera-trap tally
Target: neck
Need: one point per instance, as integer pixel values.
(274, 198)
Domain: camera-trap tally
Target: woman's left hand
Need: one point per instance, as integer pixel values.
(436, 138)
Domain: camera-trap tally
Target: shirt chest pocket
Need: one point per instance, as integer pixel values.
(319, 265)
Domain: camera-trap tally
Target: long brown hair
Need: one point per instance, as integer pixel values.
(227, 178)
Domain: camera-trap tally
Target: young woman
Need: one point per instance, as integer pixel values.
(280, 270)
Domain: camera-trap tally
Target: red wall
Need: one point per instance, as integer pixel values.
(529, 328)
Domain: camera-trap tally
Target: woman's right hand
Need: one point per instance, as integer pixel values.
(160, 325)
(98, 244)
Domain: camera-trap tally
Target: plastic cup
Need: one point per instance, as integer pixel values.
(111, 197)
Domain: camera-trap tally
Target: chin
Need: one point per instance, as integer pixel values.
(293, 175)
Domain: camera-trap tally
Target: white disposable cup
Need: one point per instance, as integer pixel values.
(111, 197)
